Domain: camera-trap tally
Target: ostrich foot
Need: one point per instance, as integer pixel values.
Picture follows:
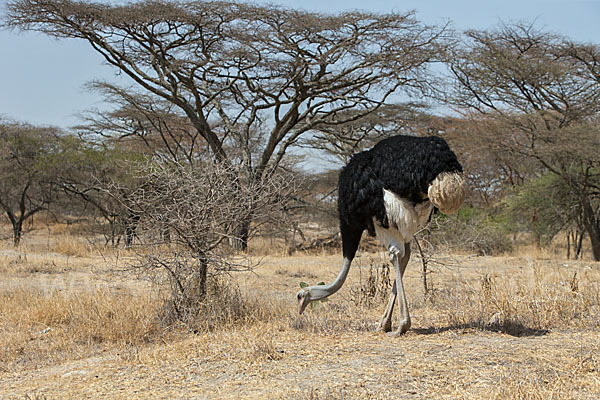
(402, 329)
(385, 325)
(398, 333)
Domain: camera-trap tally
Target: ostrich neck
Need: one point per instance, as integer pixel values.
(321, 291)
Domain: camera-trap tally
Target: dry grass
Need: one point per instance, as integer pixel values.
(491, 328)
(260, 246)
(39, 328)
(22, 263)
(70, 245)
(541, 296)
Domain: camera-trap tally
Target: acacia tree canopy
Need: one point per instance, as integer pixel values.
(238, 70)
(542, 93)
(520, 69)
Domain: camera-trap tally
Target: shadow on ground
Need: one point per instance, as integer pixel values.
(512, 328)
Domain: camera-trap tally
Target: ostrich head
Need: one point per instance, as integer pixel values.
(303, 297)
(447, 191)
(321, 291)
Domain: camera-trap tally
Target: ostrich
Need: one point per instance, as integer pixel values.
(391, 191)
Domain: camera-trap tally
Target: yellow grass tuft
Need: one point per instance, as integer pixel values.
(40, 328)
(70, 245)
(227, 307)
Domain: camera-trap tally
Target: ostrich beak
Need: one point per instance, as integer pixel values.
(301, 304)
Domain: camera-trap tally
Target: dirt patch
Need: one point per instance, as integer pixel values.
(451, 365)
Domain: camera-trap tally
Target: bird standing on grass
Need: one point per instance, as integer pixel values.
(391, 191)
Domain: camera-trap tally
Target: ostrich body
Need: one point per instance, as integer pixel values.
(391, 191)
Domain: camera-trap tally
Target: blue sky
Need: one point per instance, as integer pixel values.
(42, 80)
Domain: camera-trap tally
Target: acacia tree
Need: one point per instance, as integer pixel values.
(87, 169)
(144, 124)
(546, 205)
(249, 77)
(343, 141)
(542, 94)
(491, 170)
(28, 165)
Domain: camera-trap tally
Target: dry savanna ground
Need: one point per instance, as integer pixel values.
(73, 324)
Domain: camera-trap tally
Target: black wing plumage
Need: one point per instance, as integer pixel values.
(405, 165)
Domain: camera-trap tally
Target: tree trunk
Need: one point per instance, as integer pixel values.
(17, 222)
(17, 231)
(240, 240)
(592, 226)
(131, 223)
(579, 236)
(595, 240)
(202, 281)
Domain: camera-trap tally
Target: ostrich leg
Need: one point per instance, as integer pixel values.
(386, 320)
(404, 316)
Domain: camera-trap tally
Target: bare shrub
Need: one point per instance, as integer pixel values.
(222, 305)
(188, 216)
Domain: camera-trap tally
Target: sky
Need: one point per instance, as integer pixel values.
(42, 80)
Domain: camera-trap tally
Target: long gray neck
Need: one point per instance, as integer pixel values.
(321, 291)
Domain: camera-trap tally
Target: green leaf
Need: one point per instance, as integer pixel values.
(303, 284)
(321, 283)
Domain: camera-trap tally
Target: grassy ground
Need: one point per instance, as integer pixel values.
(524, 327)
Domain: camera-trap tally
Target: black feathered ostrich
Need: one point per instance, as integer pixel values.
(391, 191)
